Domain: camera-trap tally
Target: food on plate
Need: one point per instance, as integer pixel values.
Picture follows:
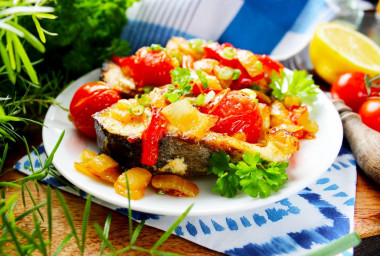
(98, 166)
(87, 100)
(174, 185)
(336, 49)
(138, 181)
(195, 99)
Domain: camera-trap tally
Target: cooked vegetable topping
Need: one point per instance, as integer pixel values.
(236, 74)
(196, 44)
(297, 83)
(144, 100)
(137, 110)
(156, 47)
(174, 185)
(229, 53)
(254, 176)
(202, 78)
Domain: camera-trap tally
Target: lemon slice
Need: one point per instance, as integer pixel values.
(336, 49)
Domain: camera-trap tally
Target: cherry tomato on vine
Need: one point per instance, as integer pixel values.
(238, 113)
(370, 112)
(88, 99)
(352, 87)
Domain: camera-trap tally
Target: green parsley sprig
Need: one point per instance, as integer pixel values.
(297, 83)
(253, 175)
(182, 83)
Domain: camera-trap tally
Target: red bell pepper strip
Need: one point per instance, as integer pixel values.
(151, 137)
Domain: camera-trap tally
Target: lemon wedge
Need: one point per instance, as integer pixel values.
(336, 49)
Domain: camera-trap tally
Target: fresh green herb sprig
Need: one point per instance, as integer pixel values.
(298, 84)
(253, 175)
(182, 83)
(18, 240)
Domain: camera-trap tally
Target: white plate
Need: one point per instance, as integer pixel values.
(310, 162)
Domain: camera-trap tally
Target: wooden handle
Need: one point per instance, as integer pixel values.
(364, 142)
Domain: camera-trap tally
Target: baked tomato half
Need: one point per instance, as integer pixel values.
(238, 115)
(148, 67)
(88, 99)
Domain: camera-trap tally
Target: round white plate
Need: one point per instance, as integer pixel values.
(310, 162)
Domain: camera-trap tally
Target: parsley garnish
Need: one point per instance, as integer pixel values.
(182, 83)
(253, 175)
(298, 84)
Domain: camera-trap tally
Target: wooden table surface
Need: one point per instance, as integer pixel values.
(367, 217)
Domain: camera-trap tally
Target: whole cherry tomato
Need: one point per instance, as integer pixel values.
(88, 99)
(352, 87)
(148, 67)
(370, 112)
(238, 113)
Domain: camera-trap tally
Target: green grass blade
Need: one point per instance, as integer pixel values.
(11, 53)
(165, 253)
(136, 232)
(39, 235)
(29, 238)
(4, 156)
(172, 228)
(86, 216)
(63, 244)
(23, 193)
(106, 230)
(68, 216)
(104, 238)
(8, 203)
(33, 201)
(29, 37)
(39, 29)
(338, 246)
(7, 63)
(129, 207)
(31, 210)
(12, 231)
(9, 184)
(49, 160)
(49, 212)
(25, 60)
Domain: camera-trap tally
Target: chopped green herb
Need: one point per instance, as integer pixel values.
(258, 64)
(253, 175)
(236, 74)
(148, 89)
(156, 47)
(202, 78)
(181, 84)
(200, 99)
(137, 110)
(229, 53)
(255, 87)
(144, 100)
(196, 44)
(225, 73)
(298, 84)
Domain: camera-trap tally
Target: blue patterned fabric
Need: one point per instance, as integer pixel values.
(310, 219)
(279, 28)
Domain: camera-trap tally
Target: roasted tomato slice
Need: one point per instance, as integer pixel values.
(148, 67)
(238, 114)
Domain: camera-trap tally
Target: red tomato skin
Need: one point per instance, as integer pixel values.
(237, 114)
(370, 113)
(148, 67)
(351, 88)
(269, 64)
(151, 137)
(87, 100)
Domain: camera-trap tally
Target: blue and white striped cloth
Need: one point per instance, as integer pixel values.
(280, 28)
(302, 223)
